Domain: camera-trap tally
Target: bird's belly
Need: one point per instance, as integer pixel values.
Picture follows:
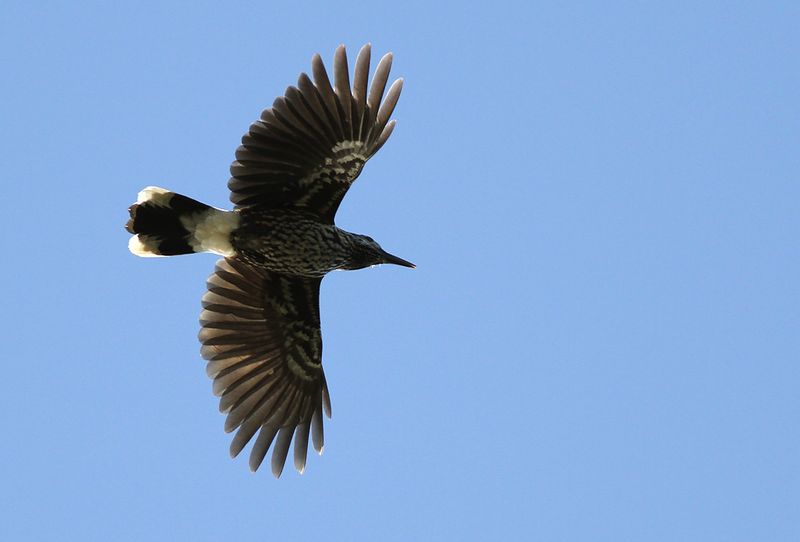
(294, 248)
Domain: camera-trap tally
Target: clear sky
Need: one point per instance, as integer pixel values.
(600, 341)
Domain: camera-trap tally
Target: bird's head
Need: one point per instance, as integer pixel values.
(365, 252)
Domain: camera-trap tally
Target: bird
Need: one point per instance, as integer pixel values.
(260, 322)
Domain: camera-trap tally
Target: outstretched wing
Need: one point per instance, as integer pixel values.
(307, 149)
(261, 337)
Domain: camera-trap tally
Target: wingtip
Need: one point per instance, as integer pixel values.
(235, 449)
(230, 424)
(253, 464)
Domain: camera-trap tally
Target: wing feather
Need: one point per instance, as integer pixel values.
(261, 446)
(260, 333)
(342, 89)
(360, 80)
(308, 148)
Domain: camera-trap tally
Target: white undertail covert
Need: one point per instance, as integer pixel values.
(211, 230)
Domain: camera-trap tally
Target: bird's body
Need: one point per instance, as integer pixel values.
(260, 324)
(293, 242)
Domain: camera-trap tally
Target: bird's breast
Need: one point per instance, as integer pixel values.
(291, 243)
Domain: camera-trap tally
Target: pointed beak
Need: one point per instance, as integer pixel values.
(390, 258)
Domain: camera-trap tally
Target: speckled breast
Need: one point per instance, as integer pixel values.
(290, 242)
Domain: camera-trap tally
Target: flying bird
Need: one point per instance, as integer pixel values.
(260, 323)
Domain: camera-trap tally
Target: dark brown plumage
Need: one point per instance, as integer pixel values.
(260, 324)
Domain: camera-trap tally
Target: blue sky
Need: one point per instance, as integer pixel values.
(600, 341)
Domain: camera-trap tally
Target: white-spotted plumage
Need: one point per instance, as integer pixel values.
(260, 324)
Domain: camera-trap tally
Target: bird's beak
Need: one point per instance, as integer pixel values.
(390, 258)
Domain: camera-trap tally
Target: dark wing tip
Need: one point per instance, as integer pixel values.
(293, 155)
(245, 321)
(281, 450)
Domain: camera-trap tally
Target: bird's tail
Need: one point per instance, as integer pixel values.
(166, 224)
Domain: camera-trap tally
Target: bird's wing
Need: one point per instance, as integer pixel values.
(261, 337)
(308, 148)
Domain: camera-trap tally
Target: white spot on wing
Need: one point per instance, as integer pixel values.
(342, 167)
(342, 145)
